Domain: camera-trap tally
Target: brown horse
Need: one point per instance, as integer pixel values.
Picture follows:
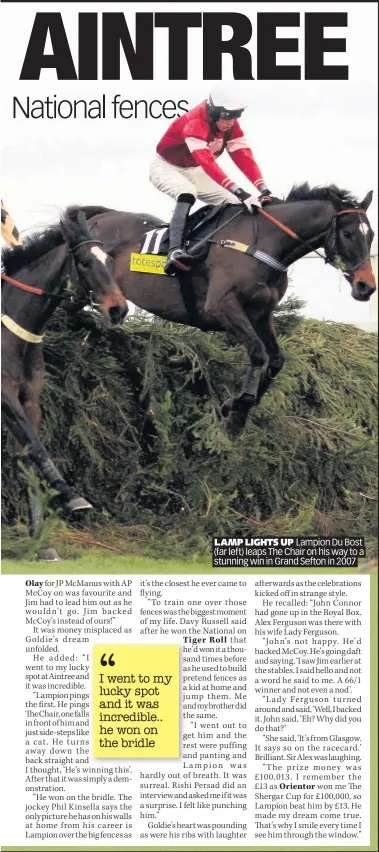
(236, 285)
(65, 254)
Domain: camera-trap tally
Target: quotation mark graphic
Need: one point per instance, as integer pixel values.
(109, 662)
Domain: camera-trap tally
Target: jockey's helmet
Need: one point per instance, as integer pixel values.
(222, 103)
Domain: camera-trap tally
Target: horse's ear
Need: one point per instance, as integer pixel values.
(82, 219)
(66, 229)
(95, 230)
(335, 199)
(365, 204)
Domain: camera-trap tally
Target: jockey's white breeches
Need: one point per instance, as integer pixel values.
(176, 180)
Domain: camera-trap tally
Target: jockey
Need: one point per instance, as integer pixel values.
(185, 165)
(9, 232)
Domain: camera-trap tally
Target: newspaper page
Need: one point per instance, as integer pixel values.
(189, 426)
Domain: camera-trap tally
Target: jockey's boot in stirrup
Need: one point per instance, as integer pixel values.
(177, 260)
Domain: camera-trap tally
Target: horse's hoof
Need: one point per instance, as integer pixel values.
(235, 424)
(226, 407)
(78, 504)
(48, 554)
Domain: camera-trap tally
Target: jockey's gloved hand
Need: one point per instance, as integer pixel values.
(267, 198)
(250, 201)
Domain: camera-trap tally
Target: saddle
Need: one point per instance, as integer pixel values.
(200, 223)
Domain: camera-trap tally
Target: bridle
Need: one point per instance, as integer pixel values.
(71, 279)
(330, 242)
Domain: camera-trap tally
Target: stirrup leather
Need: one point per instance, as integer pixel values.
(176, 258)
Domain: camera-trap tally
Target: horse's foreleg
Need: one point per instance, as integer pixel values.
(29, 396)
(16, 421)
(267, 333)
(233, 318)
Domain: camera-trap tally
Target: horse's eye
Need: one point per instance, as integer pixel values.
(347, 235)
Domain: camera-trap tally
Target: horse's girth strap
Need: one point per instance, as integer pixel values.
(19, 331)
(252, 252)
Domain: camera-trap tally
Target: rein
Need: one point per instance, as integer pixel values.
(36, 290)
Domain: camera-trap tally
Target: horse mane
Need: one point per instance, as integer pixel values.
(96, 211)
(303, 192)
(14, 258)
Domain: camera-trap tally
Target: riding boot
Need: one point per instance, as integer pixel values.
(177, 258)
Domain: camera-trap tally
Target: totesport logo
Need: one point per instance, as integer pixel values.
(147, 263)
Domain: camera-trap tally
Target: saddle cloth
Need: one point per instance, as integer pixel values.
(201, 223)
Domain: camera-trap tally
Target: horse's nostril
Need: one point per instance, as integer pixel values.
(117, 313)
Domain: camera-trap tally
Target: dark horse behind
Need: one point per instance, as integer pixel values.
(238, 284)
(65, 262)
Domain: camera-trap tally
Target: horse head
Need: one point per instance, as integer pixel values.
(92, 266)
(348, 245)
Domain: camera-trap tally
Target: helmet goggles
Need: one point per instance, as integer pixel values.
(221, 106)
(227, 114)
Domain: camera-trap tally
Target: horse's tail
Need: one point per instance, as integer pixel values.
(89, 212)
